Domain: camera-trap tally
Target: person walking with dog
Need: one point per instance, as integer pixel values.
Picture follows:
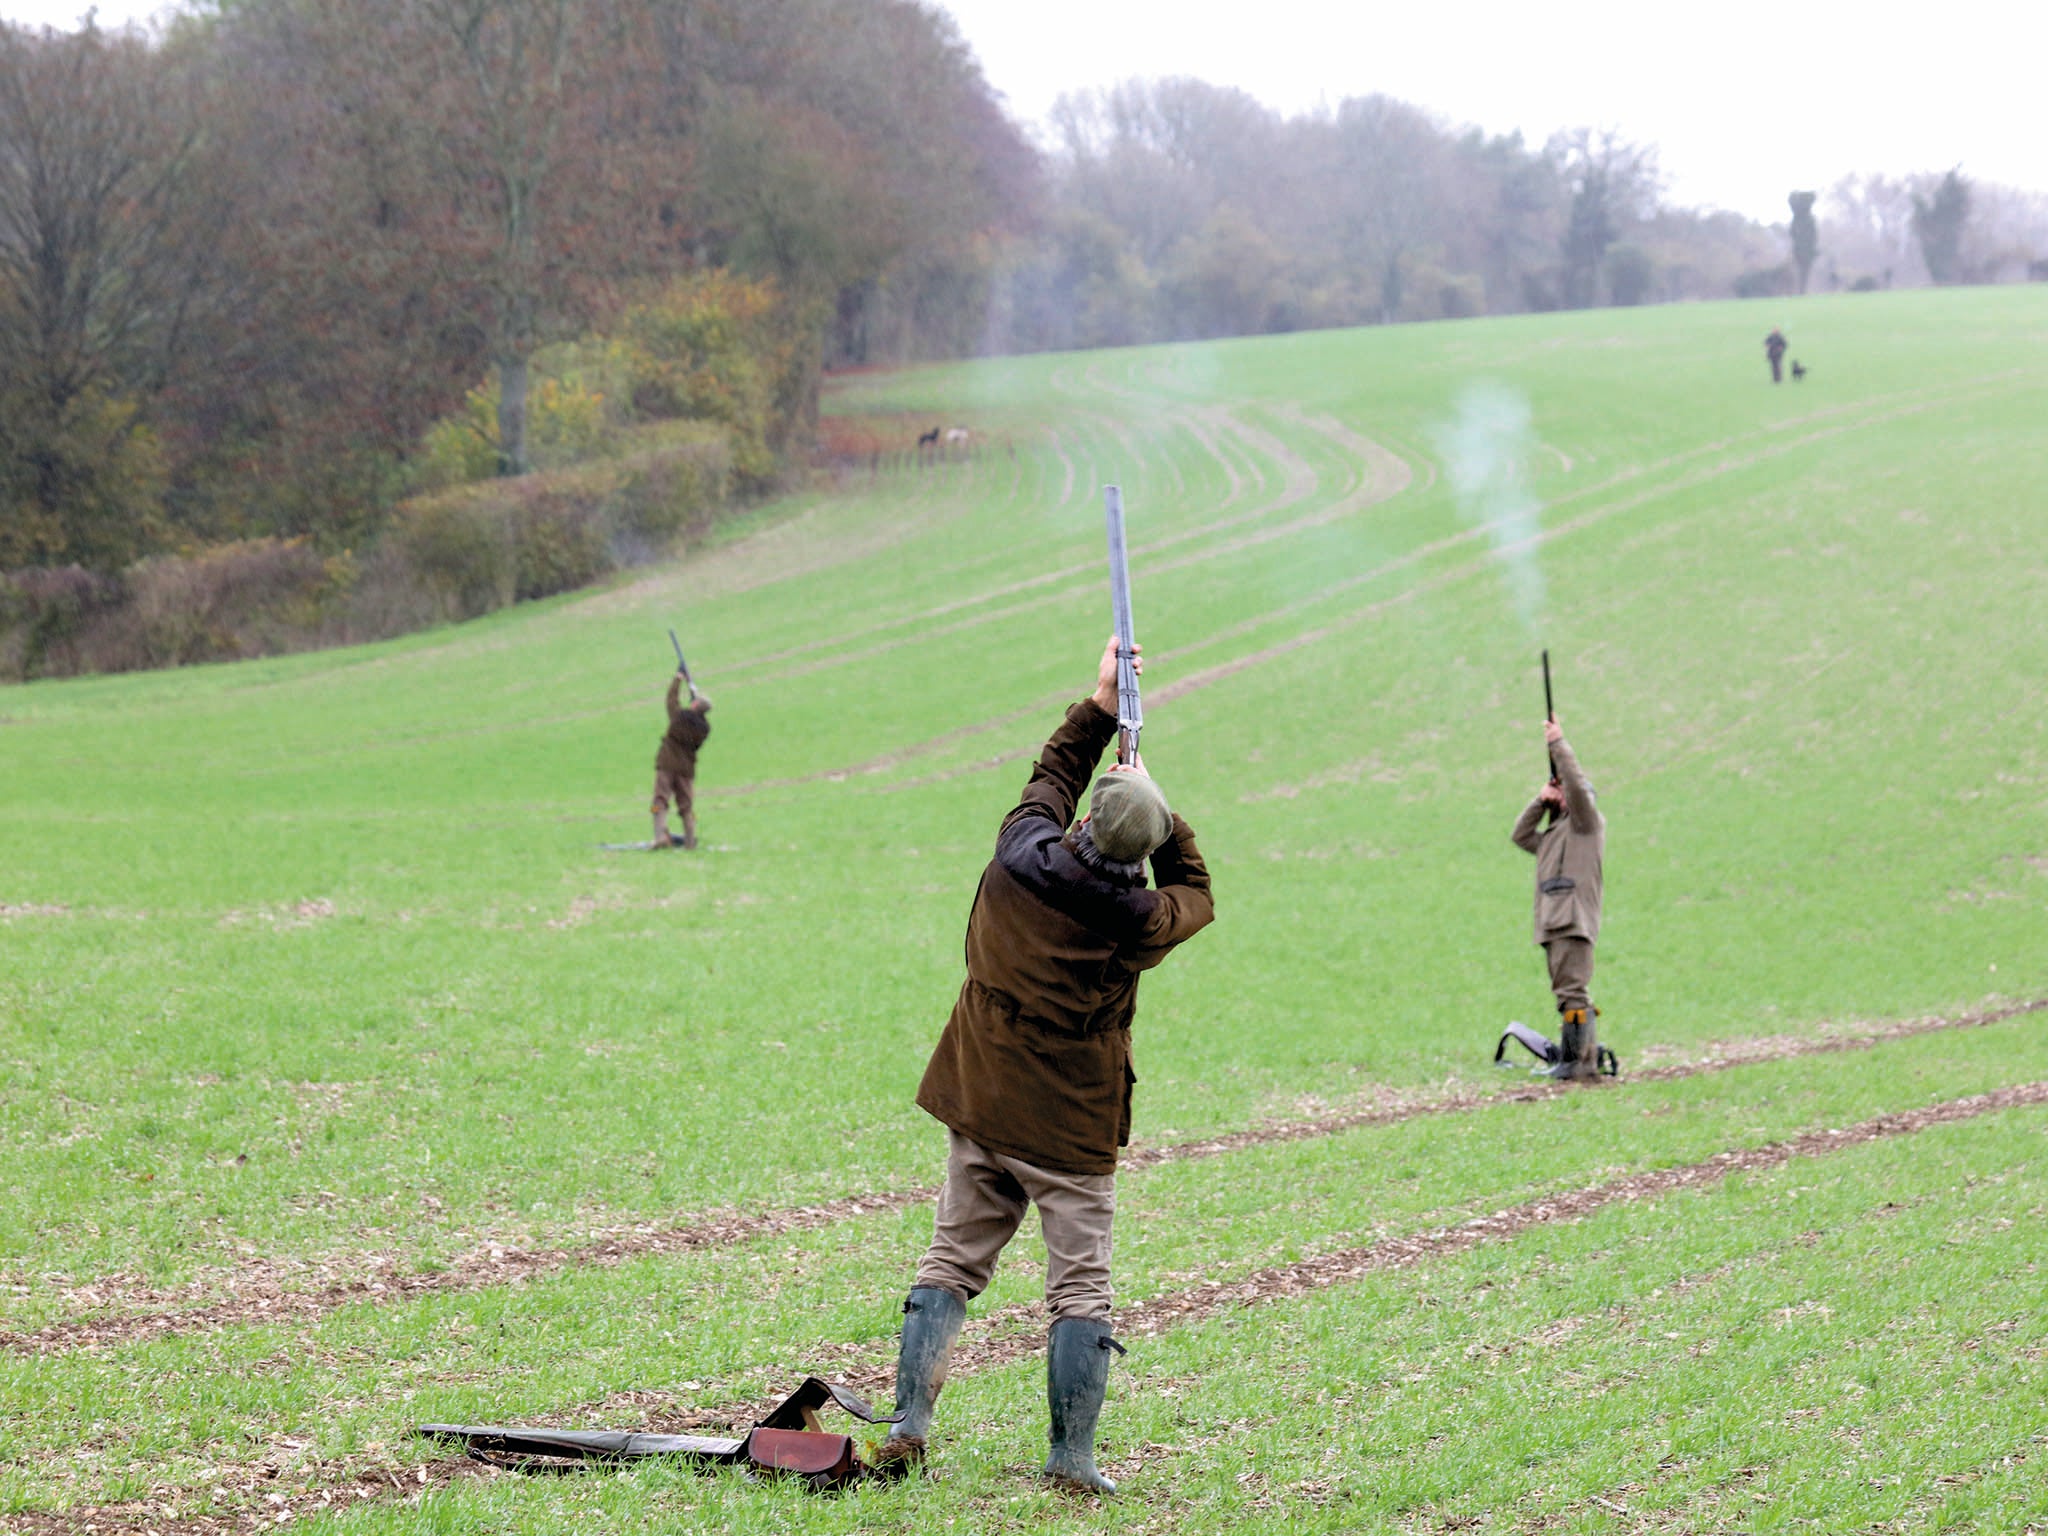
(1570, 849)
(1774, 352)
(1032, 1075)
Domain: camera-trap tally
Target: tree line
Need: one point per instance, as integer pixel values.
(1177, 209)
(245, 266)
(291, 262)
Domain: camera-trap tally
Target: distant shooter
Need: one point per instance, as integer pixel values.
(1032, 1075)
(675, 764)
(1569, 851)
(1774, 353)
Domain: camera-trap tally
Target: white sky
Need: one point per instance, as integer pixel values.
(1744, 99)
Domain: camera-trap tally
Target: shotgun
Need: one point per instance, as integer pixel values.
(1549, 709)
(1549, 713)
(683, 666)
(1130, 714)
(790, 1441)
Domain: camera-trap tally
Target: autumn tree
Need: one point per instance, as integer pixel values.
(1080, 283)
(1225, 280)
(852, 150)
(505, 147)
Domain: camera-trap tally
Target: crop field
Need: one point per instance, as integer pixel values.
(347, 1083)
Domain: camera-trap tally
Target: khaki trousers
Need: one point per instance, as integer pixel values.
(675, 787)
(1571, 971)
(983, 1202)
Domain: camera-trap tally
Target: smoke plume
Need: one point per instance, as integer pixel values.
(1486, 450)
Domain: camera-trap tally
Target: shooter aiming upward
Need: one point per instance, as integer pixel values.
(1032, 1076)
(675, 764)
(1569, 853)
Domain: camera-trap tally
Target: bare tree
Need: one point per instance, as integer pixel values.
(1613, 185)
(2007, 238)
(1938, 224)
(1385, 184)
(108, 232)
(1870, 227)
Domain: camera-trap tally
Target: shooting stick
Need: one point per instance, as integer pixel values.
(1130, 715)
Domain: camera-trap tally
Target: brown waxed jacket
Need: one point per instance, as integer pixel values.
(1568, 853)
(687, 728)
(1035, 1062)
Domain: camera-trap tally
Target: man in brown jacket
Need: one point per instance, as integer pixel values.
(1032, 1076)
(1568, 872)
(675, 765)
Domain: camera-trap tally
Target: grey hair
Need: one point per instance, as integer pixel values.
(1081, 842)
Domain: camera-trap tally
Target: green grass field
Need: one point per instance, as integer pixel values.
(348, 1084)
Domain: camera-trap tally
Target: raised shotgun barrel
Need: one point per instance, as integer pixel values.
(1549, 713)
(1549, 709)
(682, 666)
(1130, 713)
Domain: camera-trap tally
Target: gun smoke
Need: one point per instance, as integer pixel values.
(1486, 449)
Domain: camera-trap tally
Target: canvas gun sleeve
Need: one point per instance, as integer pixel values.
(1584, 815)
(1063, 769)
(1528, 825)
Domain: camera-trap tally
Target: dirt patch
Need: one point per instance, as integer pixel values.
(1016, 1333)
(258, 1293)
(268, 1292)
(1325, 1270)
(1719, 1058)
(298, 914)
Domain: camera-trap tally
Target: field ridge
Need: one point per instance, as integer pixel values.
(1006, 1335)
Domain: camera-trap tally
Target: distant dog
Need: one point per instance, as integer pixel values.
(956, 437)
(1798, 370)
(928, 440)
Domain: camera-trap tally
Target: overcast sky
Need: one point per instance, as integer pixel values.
(1744, 100)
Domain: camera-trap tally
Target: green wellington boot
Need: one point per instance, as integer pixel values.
(931, 1323)
(1076, 1377)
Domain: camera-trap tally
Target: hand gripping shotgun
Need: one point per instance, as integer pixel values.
(683, 666)
(1130, 714)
